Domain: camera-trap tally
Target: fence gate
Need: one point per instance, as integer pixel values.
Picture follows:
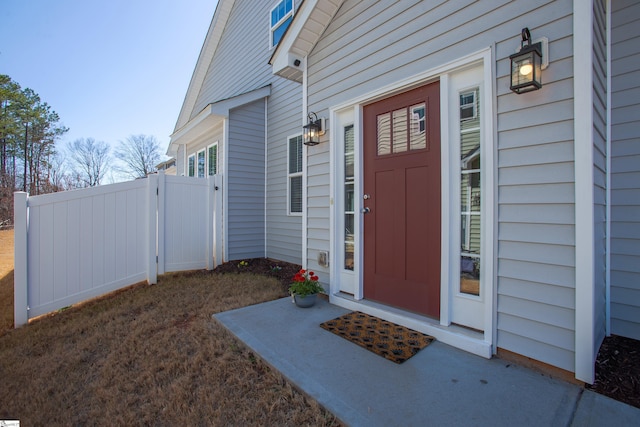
(76, 245)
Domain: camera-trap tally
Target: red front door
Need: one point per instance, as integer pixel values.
(402, 194)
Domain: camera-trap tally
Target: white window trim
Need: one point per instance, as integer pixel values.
(486, 346)
(280, 22)
(347, 279)
(292, 175)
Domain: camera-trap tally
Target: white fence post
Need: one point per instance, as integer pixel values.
(161, 219)
(20, 285)
(211, 185)
(152, 202)
(217, 221)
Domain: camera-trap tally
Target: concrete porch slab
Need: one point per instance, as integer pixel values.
(441, 385)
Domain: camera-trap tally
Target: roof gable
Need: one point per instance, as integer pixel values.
(218, 24)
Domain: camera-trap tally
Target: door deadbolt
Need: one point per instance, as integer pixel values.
(366, 197)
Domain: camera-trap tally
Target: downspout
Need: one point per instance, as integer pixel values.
(266, 170)
(304, 167)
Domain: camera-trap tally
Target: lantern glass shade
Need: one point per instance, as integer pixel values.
(526, 67)
(311, 133)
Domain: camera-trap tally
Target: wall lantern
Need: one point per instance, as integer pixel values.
(311, 132)
(526, 65)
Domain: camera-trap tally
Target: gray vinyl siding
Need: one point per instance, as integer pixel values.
(359, 53)
(240, 65)
(599, 168)
(284, 232)
(245, 182)
(180, 160)
(241, 59)
(625, 169)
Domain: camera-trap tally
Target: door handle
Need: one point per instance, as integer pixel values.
(365, 210)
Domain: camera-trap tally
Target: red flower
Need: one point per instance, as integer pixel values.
(305, 276)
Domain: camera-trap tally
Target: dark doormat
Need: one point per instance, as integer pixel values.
(391, 341)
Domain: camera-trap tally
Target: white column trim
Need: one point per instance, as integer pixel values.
(583, 169)
(225, 187)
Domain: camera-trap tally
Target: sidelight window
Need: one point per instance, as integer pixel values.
(349, 198)
(470, 193)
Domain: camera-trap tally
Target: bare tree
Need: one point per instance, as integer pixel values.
(90, 159)
(139, 155)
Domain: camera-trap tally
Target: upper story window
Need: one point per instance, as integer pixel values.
(281, 16)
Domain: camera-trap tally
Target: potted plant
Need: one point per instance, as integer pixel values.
(305, 288)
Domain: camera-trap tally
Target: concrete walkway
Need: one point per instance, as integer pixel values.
(439, 386)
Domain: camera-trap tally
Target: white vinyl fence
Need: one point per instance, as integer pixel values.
(76, 245)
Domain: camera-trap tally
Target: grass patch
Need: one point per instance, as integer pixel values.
(6, 280)
(150, 355)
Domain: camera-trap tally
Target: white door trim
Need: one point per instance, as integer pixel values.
(478, 343)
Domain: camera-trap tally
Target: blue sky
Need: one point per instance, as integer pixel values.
(110, 69)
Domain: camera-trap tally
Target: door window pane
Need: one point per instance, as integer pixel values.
(384, 134)
(418, 127)
(400, 130)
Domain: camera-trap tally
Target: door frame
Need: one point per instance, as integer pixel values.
(483, 344)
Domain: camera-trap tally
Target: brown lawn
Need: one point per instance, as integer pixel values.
(148, 355)
(6, 280)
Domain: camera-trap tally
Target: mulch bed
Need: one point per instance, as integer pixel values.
(617, 366)
(618, 370)
(283, 271)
